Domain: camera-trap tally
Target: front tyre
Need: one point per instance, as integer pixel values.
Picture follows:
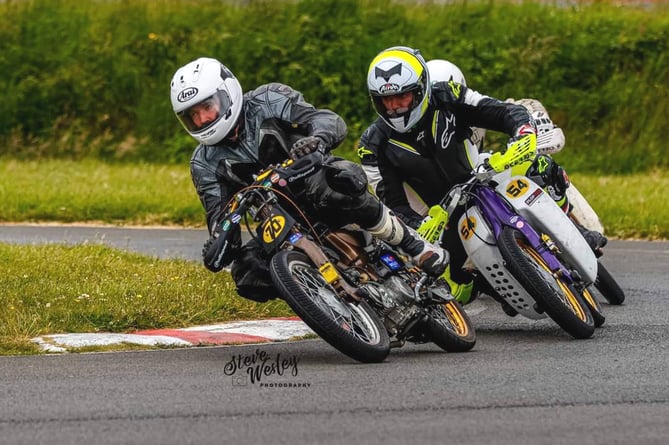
(449, 327)
(352, 328)
(558, 298)
(594, 306)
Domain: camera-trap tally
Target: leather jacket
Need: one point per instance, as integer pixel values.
(273, 117)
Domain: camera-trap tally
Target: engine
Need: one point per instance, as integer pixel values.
(395, 301)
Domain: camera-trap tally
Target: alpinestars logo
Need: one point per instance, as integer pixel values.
(455, 88)
(448, 132)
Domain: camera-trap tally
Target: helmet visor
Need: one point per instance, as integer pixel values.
(204, 114)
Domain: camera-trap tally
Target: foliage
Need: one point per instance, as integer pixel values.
(91, 79)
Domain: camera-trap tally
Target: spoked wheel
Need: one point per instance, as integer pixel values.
(558, 298)
(352, 328)
(607, 286)
(594, 306)
(449, 327)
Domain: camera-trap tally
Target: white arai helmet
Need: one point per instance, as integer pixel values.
(207, 99)
(443, 71)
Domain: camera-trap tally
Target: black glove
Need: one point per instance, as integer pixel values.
(408, 216)
(306, 145)
(222, 248)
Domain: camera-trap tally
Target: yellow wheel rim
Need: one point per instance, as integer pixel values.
(571, 298)
(456, 319)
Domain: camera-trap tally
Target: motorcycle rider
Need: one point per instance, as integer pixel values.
(422, 136)
(544, 170)
(425, 183)
(240, 134)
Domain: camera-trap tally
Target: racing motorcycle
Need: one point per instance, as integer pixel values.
(550, 140)
(523, 249)
(356, 292)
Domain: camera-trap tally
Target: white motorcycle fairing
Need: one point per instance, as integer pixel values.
(480, 244)
(539, 209)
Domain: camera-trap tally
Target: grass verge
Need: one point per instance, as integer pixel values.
(88, 288)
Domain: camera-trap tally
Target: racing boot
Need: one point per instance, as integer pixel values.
(433, 260)
(463, 292)
(594, 239)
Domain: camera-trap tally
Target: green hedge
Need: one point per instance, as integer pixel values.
(91, 78)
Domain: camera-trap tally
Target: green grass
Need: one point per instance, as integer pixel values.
(89, 288)
(629, 206)
(93, 191)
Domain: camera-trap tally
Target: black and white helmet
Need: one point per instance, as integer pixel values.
(206, 87)
(399, 70)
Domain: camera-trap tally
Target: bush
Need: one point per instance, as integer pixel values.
(91, 79)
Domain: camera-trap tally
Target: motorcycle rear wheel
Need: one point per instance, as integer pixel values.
(560, 300)
(449, 327)
(352, 328)
(608, 287)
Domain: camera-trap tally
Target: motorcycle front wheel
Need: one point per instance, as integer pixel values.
(557, 298)
(352, 328)
(594, 306)
(449, 327)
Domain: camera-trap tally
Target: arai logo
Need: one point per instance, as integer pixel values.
(187, 94)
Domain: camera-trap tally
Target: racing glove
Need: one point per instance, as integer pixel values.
(222, 248)
(305, 146)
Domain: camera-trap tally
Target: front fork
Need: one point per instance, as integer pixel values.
(542, 244)
(326, 268)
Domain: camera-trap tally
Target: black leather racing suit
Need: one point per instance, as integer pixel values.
(436, 154)
(273, 117)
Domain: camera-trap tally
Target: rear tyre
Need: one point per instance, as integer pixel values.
(607, 286)
(557, 298)
(449, 327)
(352, 328)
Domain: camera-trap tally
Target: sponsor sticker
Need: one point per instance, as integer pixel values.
(295, 237)
(533, 197)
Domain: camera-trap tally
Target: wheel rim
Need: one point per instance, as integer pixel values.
(456, 322)
(590, 300)
(566, 295)
(350, 317)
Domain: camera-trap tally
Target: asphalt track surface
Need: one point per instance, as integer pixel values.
(524, 383)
